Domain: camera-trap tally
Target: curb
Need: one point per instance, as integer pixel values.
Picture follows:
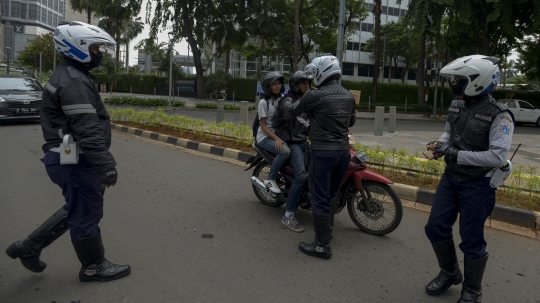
(505, 218)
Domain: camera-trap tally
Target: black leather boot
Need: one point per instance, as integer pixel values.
(29, 249)
(450, 273)
(472, 286)
(321, 246)
(95, 267)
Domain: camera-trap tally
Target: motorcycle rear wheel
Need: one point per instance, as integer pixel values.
(261, 172)
(386, 213)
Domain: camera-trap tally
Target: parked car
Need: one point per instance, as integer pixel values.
(20, 97)
(523, 111)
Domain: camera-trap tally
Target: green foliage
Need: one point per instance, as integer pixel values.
(218, 80)
(529, 60)
(43, 44)
(130, 100)
(244, 89)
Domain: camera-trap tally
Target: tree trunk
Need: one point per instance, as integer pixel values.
(296, 34)
(228, 60)
(127, 56)
(116, 66)
(420, 70)
(405, 71)
(376, 50)
(89, 16)
(390, 70)
(188, 32)
(259, 67)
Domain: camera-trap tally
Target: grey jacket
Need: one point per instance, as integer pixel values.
(332, 111)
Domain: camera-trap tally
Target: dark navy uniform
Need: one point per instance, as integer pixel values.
(72, 105)
(482, 132)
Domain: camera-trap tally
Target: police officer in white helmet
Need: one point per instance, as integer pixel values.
(71, 106)
(476, 141)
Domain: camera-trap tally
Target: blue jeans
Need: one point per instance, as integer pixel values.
(473, 200)
(83, 193)
(296, 159)
(326, 170)
(269, 144)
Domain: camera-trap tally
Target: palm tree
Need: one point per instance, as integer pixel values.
(132, 28)
(114, 13)
(88, 6)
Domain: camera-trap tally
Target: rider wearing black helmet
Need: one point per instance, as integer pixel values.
(293, 130)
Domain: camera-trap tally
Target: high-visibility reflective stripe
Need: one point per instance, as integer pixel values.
(80, 111)
(77, 106)
(50, 88)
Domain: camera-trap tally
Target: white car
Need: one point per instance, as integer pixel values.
(523, 111)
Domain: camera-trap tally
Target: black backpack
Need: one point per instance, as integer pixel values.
(256, 122)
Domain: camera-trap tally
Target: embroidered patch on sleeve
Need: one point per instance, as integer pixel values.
(507, 118)
(505, 127)
(485, 118)
(454, 110)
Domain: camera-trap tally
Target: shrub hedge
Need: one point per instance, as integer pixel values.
(130, 100)
(245, 89)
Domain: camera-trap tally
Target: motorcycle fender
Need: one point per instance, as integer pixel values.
(368, 175)
(253, 161)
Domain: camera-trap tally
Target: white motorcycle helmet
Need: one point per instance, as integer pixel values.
(73, 39)
(472, 76)
(322, 68)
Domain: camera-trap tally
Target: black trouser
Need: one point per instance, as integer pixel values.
(326, 170)
(473, 201)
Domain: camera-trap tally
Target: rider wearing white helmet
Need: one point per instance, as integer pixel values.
(476, 140)
(72, 106)
(331, 111)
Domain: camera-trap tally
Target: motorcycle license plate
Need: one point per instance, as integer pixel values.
(26, 110)
(361, 156)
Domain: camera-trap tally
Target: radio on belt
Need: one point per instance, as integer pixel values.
(501, 173)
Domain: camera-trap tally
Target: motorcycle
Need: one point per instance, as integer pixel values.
(373, 205)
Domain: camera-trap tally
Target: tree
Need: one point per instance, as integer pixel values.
(88, 6)
(187, 19)
(529, 57)
(115, 13)
(132, 28)
(376, 50)
(43, 44)
(218, 80)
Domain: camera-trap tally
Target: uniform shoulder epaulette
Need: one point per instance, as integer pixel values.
(73, 73)
(457, 103)
(500, 105)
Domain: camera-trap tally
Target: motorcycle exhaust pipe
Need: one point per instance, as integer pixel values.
(255, 181)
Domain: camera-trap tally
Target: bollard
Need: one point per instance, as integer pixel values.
(405, 104)
(369, 103)
(154, 90)
(392, 120)
(233, 96)
(220, 111)
(131, 89)
(379, 120)
(257, 99)
(244, 112)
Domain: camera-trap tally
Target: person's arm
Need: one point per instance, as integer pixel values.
(353, 114)
(500, 139)
(301, 105)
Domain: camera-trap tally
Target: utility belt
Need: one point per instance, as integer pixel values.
(69, 151)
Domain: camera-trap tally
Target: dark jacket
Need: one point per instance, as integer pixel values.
(72, 105)
(290, 128)
(331, 111)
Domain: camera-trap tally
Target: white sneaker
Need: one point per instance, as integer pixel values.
(272, 186)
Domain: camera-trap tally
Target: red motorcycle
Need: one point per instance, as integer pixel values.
(373, 205)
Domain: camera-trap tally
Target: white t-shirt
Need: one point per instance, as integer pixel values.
(267, 109)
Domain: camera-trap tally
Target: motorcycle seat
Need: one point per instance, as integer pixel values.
(285, 169)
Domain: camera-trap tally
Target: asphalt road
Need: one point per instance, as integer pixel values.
(361, 126)
(168, 199)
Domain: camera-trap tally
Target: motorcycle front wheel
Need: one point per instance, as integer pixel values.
(261, 172)
(383, 212)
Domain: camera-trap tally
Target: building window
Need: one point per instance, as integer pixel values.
(55, 20)
(43, 15)
(370, 6)
(362, 47)
(24, 14)
(5, 8)
(348, 69)
(56, 5)
(49, 18)
(365, 70)
(353, 46)
(367, 27)
(15, 9)
(403, 12)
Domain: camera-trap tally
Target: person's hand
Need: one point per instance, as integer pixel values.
(431, 153)
(279, 143)
(447, 149)
(108, 178)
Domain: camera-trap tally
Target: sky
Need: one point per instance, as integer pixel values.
(181, 47)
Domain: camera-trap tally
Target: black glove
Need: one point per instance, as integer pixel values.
(109, 177)
(447, 149)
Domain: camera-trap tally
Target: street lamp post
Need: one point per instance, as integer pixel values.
(8, 53)
(171, 38)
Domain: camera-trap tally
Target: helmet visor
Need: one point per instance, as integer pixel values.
(453, 79)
